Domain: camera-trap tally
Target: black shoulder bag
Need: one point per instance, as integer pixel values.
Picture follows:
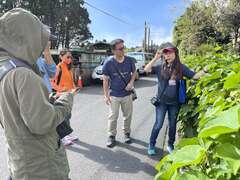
(133, 91)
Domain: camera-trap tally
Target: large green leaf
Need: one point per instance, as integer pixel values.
(229, 153)
(211, 77)
(226, 122)
(232, 81)
(188, 155)
(187, 141)
(190, 175)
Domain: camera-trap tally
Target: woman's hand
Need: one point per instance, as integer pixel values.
(158, 55)
(148, 67)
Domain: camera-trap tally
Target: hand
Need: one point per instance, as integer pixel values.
(129, 87)
(158, 55)
(47, 54)
(47, 48)
(75, 91)
(107, 100)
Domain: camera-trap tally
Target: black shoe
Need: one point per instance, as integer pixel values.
(127, 138)
(111, 141)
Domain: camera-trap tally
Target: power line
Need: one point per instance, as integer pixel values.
(108, 14)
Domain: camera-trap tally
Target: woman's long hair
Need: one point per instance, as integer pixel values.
(172, 71)
(62, 53)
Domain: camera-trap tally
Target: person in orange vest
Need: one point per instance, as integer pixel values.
(64, 82)
(64, 75)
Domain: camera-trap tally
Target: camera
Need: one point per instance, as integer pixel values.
(134, 94)
(155, 101)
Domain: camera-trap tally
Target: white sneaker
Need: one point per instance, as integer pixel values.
(72, 137)
(170, 148)
(66, 142)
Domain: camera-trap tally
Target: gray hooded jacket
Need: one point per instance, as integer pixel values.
(29, 120)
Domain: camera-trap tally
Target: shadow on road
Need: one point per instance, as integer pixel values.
(114, 161)
(160, 153)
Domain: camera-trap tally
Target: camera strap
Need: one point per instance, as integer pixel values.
(59, 75)
(120, 74)
(164, 88)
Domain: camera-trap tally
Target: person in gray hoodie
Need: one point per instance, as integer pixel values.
(28, 118)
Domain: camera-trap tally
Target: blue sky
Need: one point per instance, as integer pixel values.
(159, 14)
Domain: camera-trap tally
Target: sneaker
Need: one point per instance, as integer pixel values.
(170, 148)
(66, 142)
(151, 151)
(127, 138)
(111, 141)
(72, 137)
(182, 170)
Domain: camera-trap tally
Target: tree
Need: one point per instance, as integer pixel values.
(66, 18)
(200, 25)
(231, 20)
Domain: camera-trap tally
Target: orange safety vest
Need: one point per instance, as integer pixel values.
(63, 80)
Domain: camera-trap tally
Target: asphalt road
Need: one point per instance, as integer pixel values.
(89, 158)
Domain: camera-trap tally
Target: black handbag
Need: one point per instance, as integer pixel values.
(133, 91)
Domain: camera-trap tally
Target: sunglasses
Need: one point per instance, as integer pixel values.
(69, 57)
(120, 49)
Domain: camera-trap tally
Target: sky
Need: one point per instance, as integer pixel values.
(159, 15)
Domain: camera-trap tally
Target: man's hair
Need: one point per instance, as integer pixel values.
(115, 42)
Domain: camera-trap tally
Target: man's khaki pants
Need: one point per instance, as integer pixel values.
(126, 105)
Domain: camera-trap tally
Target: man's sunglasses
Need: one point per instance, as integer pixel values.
(120, 49)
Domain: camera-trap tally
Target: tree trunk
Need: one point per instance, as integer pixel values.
(236, 34)
(67, 38)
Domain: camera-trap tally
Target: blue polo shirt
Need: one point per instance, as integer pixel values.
(47, 70)
(117, 85)
(170, 94)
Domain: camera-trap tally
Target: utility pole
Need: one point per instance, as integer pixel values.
(151, 45)
(145, 37)
(148, 42)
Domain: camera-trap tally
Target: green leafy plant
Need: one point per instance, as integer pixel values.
(209, 123)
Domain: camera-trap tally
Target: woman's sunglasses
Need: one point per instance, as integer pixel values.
(69, 57)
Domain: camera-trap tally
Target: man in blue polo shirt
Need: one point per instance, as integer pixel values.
(47, 66)
(117, 92)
